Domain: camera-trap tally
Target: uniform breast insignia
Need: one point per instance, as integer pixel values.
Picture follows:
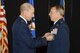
(54, 31)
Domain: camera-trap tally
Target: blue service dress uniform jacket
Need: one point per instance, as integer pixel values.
(61, 42)
(22, 38)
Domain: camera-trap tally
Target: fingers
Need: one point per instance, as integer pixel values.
(48, 36)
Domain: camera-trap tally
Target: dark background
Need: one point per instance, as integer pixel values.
(43, 22)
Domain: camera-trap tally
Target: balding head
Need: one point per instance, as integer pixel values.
(26, 6)
(27, 11)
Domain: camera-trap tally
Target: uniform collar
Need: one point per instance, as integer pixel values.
(56, 22)
(24, 19)
(59, 21)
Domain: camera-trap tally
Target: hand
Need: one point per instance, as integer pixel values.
(46, 34)
(49, 36)
(32, 26)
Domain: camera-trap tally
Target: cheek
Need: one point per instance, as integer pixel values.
(52, 18)
(29, 15)
(52, 15)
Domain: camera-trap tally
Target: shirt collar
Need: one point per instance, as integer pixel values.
(24, 19)
(55, 22)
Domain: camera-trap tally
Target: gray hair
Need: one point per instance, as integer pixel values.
(60, 9)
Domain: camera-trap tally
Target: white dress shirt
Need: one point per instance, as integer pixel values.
(24, 19)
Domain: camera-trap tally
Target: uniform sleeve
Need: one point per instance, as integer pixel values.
(26, 36)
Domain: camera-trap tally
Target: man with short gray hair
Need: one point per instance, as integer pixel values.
(60, 44)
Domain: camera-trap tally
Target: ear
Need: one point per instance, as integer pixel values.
(58, 12)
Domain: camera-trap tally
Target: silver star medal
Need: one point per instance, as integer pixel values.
(54, 31)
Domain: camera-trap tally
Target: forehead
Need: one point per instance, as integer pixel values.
(53, 9)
